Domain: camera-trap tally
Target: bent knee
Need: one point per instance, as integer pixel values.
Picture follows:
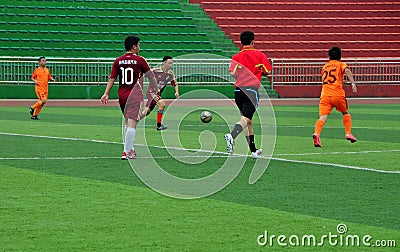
(247, 120)
(323, 117)
(161, 103)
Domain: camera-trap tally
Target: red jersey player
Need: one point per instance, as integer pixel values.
(163, 75)
(247, 67)
(130, 68)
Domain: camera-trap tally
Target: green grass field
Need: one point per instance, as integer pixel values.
(64, 188)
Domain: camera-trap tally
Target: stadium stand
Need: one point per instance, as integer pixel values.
(306, 29)
(94, 28)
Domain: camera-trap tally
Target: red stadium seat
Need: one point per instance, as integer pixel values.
(304, 29)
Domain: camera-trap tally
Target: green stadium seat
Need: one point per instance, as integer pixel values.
(84, 28)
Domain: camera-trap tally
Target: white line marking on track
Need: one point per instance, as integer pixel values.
(223, 154)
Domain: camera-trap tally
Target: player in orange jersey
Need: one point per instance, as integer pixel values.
(40, 77)
(333, 95)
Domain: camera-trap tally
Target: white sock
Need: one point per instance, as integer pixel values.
(124, 132)
(129, 139)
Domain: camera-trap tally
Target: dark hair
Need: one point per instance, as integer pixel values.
(41, 58)
(166, 58)
(335, 53)
(131, 41)
(246, 37)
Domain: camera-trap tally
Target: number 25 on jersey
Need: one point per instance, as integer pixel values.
(329, 77)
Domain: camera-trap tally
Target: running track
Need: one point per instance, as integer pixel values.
(198, 102)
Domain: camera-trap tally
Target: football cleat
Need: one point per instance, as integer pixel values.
(317, 140)
(131, 155)
(351, 138)
(256, 154)
(35, 117)
(162, 127)
(229, 143)
(31, 110)
(123, 156)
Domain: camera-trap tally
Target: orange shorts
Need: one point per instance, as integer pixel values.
(41, 94)
(327, 103)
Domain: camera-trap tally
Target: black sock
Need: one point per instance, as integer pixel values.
(158, 124)
(250, 141)
(236, 130)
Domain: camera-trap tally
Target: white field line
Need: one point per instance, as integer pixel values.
(337, 165)
(221, 125)
(53, 158)
(60, 138)
(335, 153)
(278, 126)
(223, 154)
(89, 158)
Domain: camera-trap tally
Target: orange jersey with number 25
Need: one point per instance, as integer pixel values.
(332, 78)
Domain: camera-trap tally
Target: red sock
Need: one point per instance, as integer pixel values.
(318, 126)
(347, 123)
(159, 116)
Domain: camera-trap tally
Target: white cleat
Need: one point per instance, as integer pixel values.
(229, 143)
(256, 154)
(131, 155)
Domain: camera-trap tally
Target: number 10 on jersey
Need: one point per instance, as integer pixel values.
(127, 75)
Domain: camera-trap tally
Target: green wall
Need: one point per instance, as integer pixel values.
(94, 92)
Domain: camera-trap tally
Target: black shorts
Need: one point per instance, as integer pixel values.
(247, 101)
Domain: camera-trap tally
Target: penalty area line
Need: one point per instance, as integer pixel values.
(60, 138)
(336, 153)
(336, 165)
(54, 158)
(223, 154)
(89, 158)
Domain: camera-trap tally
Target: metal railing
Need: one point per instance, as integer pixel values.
(95, 71)
(308, 71)
(198, 71)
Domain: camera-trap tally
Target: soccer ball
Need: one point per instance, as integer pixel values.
(206, 116)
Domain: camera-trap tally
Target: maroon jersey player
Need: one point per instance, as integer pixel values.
(130, 68)
(163, 75)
